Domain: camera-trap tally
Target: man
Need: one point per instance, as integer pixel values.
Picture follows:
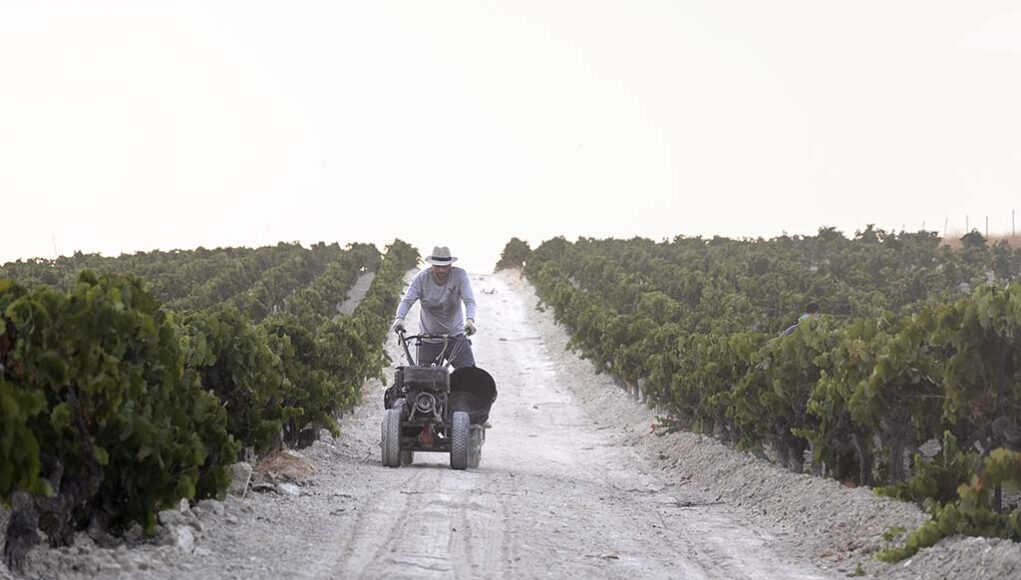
(442, 288)
(811, 311)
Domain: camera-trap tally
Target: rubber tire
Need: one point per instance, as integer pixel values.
(391, 438)
(407, 456)
(475, 448)
(460, 436)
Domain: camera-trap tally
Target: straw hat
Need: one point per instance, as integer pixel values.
(440, 257)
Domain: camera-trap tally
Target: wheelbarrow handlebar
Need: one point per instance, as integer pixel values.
(405, 339)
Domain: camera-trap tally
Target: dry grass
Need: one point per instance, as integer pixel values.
(289, 464)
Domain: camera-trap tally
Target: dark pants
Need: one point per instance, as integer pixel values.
(463, 356)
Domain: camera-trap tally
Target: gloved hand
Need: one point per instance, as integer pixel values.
(469, 327)
(398, 325)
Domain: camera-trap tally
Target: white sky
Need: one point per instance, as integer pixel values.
(139, 125)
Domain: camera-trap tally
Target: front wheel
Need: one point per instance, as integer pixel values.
(475, 448)
(460, 434)
(391, 438)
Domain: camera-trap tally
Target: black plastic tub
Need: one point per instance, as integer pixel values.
(472, 390)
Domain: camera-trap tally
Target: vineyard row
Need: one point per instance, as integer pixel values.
(114, 406)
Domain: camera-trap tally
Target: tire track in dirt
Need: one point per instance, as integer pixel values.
(436, 524)
(378, 527)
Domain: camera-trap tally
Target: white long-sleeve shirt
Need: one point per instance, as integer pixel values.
(441, 304)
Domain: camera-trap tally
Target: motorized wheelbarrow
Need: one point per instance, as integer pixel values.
(431, 408)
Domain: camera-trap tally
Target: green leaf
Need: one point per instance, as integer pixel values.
(53, 369)
(101, 455)
(60, 416)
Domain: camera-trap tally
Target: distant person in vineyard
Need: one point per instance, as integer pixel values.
(811, 311)
(442, 288)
